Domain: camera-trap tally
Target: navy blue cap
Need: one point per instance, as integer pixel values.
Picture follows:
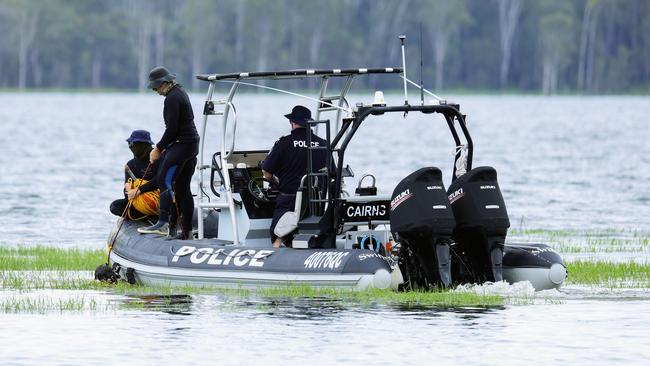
(140, 136)
(300, 115)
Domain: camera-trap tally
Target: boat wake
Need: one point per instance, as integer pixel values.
(523, 289)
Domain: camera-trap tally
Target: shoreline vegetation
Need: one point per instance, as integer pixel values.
(551, 46)
(44, 279)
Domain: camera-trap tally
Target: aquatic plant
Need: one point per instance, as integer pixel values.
(282, 293)
(586, 241)
(47, 303)
(29, 274)
(564, 241)
(609, 274)
(50, 258)
(61, 280)
(580, 272)
(444, 298)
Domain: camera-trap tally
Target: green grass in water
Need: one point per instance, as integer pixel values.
(586, 241)
(564, 241)
(26, 269)
(56, 280)
(41, 258)
(29, 281)
(268, 299)
(602, 273)
(437, 298)
(608, 274)
(45, 304)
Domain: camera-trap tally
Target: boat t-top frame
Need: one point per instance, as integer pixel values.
(451, 112)
(344, 127)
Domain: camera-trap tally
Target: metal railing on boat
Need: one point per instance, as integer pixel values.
(325, 103)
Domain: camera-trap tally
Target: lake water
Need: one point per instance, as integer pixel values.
(209, 330)
(564, 163)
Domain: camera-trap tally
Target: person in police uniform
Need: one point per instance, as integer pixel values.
(286, 164)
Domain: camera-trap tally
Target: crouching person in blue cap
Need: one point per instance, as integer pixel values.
(286, 164)
(180, 143)
(137, 172)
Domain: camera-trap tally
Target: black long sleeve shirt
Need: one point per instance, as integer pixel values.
(288, 159)
(139, 168)
(179, 119)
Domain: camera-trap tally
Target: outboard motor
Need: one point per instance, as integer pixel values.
(481, 226)
(422, 221)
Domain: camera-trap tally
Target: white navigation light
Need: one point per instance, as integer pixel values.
(379, 99)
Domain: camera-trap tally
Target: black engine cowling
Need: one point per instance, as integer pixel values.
(481, 226)
(422, 220)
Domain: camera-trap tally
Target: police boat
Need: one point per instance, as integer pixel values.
(421, 236)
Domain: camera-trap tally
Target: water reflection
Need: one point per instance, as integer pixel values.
(170, 304)
(435, 311)
(295, 308)
(298, 308)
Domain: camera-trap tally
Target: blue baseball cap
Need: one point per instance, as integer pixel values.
(140, 136)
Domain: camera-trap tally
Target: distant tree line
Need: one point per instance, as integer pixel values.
(551, 46)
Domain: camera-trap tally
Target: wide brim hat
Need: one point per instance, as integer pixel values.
(300, 115)
(159, 75)
(140, 136)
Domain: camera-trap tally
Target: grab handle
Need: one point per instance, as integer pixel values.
(374, 180)
(215, 167)
(234, 130)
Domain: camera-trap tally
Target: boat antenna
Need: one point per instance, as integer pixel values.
(421, 76)
(406, 99)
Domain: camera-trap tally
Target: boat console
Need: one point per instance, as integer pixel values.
(246, 179)
(239, 178)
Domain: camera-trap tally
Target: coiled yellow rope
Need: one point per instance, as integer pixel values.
(147, 203)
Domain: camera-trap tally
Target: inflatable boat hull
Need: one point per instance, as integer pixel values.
(155, 260)
(538, 264)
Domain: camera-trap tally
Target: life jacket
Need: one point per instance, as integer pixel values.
(148, 203)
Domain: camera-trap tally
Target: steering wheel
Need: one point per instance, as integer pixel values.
(261, 195)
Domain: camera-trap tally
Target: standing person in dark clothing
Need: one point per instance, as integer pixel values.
(136, 171)
(180, 143)
(286, 164)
